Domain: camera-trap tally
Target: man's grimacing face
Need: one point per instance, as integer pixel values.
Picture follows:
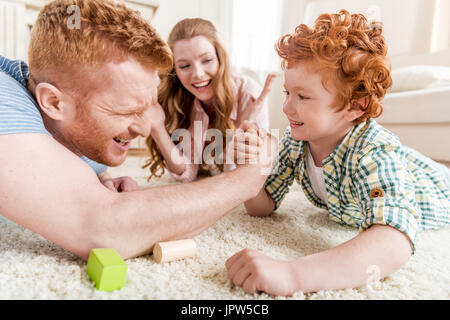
(116, 112)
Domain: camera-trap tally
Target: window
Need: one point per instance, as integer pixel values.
(256, 27)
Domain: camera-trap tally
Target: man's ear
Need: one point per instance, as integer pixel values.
(49, 99)
(356, 109)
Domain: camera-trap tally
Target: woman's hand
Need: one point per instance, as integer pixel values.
(157, 118)
(255, 105)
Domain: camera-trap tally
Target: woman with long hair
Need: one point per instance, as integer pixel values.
(199, 94)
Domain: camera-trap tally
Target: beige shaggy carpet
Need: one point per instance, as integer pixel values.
(33, 268)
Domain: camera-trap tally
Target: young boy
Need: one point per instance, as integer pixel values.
(336, 75)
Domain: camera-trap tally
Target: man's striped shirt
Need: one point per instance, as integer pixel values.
(19, 112)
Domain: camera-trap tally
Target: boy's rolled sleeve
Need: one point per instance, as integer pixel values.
(386, 192)
(401, 216)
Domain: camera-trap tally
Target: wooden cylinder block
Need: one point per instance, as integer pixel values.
(174, 250)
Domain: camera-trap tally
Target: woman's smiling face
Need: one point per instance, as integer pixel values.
(196, 65)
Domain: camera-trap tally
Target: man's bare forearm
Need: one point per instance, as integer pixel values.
(67, 204)
(137, 220)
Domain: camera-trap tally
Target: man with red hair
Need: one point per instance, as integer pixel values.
(91, 88)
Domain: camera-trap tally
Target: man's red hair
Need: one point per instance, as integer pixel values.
(60, 52)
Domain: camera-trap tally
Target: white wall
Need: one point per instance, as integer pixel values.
(408, 24)
(441, 26)
(172, 11)
(12, 28)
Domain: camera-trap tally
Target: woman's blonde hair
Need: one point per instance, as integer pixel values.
(177, 102)
(351, 50)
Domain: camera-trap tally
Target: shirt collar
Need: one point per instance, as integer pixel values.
(339, 152)
(298, 148)
(17, 69)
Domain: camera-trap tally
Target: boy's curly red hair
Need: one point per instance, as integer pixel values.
(352, 52)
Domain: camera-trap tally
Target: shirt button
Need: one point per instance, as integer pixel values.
(376, 193)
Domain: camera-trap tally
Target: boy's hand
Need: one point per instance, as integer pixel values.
(245, 145)
(254, 271)
(251, 145)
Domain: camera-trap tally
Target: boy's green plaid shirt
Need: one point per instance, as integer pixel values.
(370, 179)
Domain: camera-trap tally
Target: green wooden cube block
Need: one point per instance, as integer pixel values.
(107, 269)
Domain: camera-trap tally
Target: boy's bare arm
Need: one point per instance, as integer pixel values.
(262, 205)
(375, 253)
(378, 251)
(246, 147)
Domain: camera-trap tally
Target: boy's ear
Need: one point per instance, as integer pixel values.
(49, 97)
(356, 109)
